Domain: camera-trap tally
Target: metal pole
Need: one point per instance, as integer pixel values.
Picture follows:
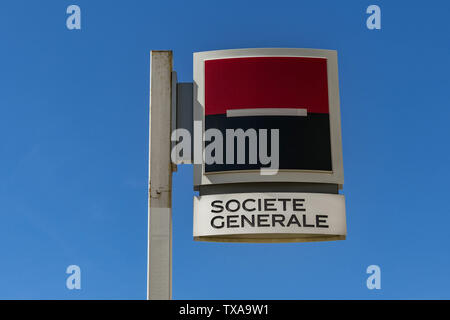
(159, 273)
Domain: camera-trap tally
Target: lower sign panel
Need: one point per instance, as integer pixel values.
(269, 217)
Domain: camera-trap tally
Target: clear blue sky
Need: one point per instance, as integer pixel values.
(74, 145)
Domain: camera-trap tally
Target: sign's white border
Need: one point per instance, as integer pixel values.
(337, 174)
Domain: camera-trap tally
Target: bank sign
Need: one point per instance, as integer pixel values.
(268, 117)
(269, 217)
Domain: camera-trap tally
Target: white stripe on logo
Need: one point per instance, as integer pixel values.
(253, 112)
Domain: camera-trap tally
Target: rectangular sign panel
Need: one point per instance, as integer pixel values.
(269, 217)
(282, 105)
(264, 93)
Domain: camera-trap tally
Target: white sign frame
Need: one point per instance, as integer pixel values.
(336, 176)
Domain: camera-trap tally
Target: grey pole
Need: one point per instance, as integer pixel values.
(159, 273)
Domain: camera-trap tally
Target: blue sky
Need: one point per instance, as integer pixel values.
(74, 145)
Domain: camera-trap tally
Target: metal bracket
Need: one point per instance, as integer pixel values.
(183, 111)
(174, 102)
(185, 116)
